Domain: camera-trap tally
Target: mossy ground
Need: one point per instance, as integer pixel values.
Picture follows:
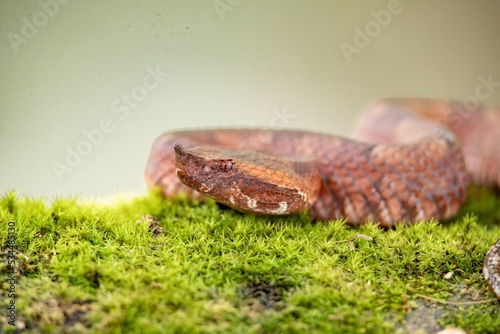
(88, 267)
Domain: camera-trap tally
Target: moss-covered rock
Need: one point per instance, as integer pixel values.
(157, 266)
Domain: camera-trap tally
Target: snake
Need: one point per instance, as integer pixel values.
(411, 160)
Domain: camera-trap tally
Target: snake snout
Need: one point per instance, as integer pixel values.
(180, 153)
(180, 163)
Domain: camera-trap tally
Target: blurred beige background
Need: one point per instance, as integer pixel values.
(86, 87)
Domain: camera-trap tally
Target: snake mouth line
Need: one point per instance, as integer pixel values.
(191, 181)
(180, 173)
(184, 177)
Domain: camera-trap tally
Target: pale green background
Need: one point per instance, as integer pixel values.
(248, 66)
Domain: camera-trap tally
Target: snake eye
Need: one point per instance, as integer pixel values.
(225, 165)
(206, 169)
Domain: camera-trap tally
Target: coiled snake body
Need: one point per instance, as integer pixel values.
(413, 161)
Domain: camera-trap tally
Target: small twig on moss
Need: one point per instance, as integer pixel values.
(457, 303)
(351, 240)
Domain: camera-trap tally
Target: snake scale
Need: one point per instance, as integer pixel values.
(412, 160)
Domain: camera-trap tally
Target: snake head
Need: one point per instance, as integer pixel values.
(248, 181)
(198, 168)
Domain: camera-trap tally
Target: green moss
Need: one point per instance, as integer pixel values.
(84, 266)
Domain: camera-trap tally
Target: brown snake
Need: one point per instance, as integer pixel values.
(413, 161)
